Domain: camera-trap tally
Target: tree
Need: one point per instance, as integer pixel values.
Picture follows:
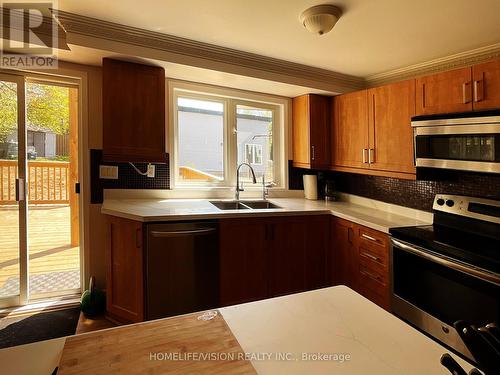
(47, 107)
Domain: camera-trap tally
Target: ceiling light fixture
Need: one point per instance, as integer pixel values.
(320, 19)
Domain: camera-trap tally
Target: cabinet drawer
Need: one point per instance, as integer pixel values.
(372, 274)
(381, 300)
(372, 238)
(375, 254)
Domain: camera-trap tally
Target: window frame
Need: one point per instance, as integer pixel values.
(231, 99)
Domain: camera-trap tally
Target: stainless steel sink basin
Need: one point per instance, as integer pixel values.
(259, 205)
(244, 205)
(229, 205)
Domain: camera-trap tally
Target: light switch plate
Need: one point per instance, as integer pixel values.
(108, 172)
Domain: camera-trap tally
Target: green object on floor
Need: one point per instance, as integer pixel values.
(93, 300)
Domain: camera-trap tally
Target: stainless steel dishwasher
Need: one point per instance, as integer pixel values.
(182, 268)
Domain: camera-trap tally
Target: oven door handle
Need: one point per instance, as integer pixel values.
(480, 274)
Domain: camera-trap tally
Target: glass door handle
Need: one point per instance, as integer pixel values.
(19, 189)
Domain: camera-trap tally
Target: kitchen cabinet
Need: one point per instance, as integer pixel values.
(390, 109)
(460, 90)
(298, 254)
(133, 108)
(444, 92)
(350, 130)
(360, 260)
(372, 131)
(243, 260)
(486, 85)
(124, 270)
(268, 257)
(311, 129)
(344, 259)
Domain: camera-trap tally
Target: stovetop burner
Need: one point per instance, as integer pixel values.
(465, 229)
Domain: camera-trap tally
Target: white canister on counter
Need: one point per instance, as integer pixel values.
(311, 186)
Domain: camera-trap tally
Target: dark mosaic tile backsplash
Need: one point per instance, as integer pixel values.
(417, 194)
(128, 178)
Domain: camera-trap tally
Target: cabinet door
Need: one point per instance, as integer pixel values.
(243, 261)
(298, 253)
(350, 130)
(320, 131)
(317, 231)
(287, 255)
(391, 136)
(344, 263)
(311, 126)
(124, 270)
(133, 112)
(486, 85)
(444, 92)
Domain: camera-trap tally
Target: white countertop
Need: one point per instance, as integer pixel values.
(376, 215)
(332, 321)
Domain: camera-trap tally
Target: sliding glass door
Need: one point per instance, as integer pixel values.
(39, 215)
(13, 207)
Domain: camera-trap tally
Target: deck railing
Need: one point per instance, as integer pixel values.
(48, 182)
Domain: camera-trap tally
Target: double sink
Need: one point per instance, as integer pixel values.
(244, 205)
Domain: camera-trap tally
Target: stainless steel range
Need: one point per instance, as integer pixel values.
(450, 270)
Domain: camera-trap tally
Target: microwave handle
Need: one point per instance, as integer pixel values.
(477, 273)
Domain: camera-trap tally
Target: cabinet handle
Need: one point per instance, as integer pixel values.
(313, 152)
(371, 155)
(373, 257)
(349, 235)
(363, 154)
(367, 237)
(371, 275)
(465, 92)
(478, 90)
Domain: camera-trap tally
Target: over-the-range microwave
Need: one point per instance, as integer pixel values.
(464, 141)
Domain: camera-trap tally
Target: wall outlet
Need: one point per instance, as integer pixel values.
(151, 170)
(108, 172)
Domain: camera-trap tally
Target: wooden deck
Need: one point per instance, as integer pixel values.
(54, 264)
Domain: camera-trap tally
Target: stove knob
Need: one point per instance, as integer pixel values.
(450, 203)
(440, 201)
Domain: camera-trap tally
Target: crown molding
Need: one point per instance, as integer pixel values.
(87, 30)
(455, 61)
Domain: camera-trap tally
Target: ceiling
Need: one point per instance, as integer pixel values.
(372, 36)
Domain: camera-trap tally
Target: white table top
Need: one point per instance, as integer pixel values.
(331, 321)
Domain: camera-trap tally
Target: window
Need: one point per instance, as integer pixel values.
(253, 154)
(214, 130)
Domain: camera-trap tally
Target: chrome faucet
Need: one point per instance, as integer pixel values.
(238, 188)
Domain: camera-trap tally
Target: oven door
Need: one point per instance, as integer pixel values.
(462, 147)
(432, 293)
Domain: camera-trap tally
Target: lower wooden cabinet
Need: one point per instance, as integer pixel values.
(243, 260)
(124, 270)
(360, 260)
(268, 257)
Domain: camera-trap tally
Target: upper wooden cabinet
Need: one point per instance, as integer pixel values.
(390, 109)
(311, 126)
(133, 112)
(372, 132)
(350, 130)
(444, 92)
(461, 90)
(486, 85)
